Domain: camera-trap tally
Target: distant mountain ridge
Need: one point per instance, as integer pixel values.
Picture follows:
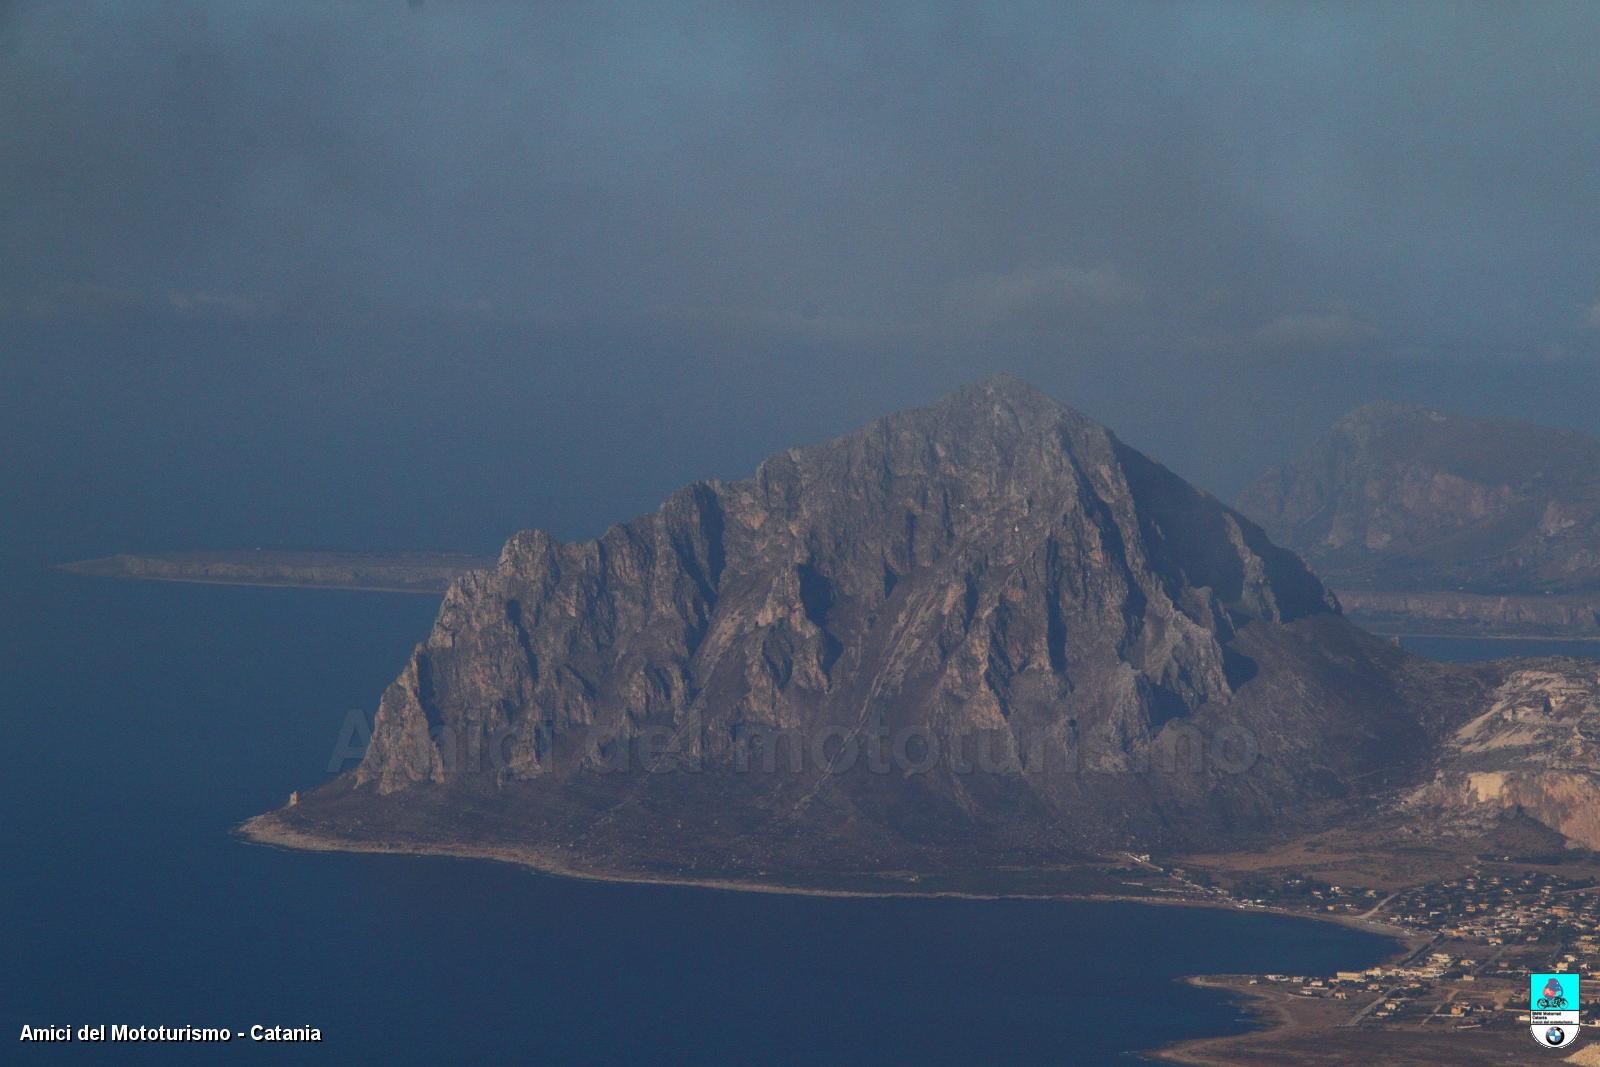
(1405, 499)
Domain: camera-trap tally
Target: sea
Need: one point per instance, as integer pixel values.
(143, 721)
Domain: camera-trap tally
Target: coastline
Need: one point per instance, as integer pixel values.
(268, 831)
(1527, 615)
(1269, 1018)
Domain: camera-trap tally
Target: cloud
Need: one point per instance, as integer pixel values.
(808, 323)
(1043, 174)
(1043, 292)
(1591, 316)
(1313, 332)
(67, 301)
(92, 301)
(202, 305)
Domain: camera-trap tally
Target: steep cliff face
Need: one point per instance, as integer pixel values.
(1400, 498)
(984, 624)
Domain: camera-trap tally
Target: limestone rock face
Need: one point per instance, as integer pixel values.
(1534, 749)
(986, 624)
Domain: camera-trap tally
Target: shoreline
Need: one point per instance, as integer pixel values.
(266, 830)
(1268, 1018)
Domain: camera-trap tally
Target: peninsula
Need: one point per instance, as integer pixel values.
(393, 572)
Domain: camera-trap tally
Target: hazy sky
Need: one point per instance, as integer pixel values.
(502, 250)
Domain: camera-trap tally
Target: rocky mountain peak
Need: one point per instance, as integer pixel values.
(994, 569)
(1373, 420)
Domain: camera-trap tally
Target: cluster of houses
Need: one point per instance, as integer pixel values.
(1508, 910)
(1510, 923)
(1306, 893)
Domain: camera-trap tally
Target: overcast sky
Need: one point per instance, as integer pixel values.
(1213, 226)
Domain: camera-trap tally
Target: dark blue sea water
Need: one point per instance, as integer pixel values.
(143, 721)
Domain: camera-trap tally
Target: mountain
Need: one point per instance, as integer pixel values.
(1402, 499)
(980, 633)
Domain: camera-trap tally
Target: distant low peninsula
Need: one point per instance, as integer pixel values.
(388, 572)
(1530, 616)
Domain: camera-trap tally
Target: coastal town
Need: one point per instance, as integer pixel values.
(1458, 984)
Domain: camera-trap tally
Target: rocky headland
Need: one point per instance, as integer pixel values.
(980, 637)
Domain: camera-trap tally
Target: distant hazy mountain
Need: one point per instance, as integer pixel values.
(1034, 640)
(1406, 499)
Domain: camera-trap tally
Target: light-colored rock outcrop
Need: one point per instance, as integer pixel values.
(1535, 749)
